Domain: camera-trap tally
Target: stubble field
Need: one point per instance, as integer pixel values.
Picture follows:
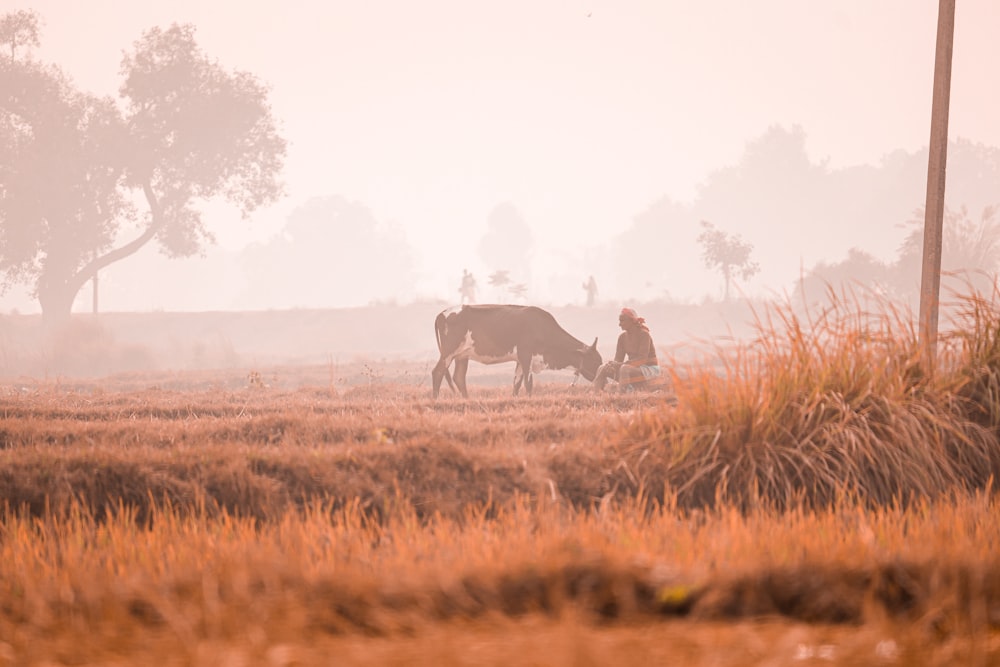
(810, 500)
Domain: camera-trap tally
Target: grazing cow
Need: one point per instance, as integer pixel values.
(492, 334)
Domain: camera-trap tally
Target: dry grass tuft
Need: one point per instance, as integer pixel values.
(820, 411)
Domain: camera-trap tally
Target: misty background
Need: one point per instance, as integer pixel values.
(536, 144)
(813, 221)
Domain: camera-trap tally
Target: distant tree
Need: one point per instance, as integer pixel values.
(508, 241)
(727, 253)
(811, 211)
(655, 249)
(860, 271)
(332, 252)
(19, 28)
(969, 247)
(70, 162)
(500, 278)
(518, 290)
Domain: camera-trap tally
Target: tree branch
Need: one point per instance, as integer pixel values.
(157, 221)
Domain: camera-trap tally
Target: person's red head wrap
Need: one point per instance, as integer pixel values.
(632, 316)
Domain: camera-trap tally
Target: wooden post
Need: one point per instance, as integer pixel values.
(930, 278)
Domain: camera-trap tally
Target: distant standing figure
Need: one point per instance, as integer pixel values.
(468, 288)
(591, 288)
(635, 363)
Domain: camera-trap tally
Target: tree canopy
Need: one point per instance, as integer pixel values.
(86, 181)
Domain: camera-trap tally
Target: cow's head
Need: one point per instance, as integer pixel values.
(591, 362)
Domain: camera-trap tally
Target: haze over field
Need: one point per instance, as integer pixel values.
(555, 140)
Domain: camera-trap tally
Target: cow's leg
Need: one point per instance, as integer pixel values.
(524, 361)
(461, 368)
(437, 374)
(518, 377)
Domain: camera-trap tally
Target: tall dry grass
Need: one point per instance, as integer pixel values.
(821, 409)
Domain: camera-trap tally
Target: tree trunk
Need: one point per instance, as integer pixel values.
(56, 299)
(57, 293)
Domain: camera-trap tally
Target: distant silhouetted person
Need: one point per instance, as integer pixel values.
(468, 288)
(591, 288)
(635, 363)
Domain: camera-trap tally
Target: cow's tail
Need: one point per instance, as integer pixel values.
(440, 326)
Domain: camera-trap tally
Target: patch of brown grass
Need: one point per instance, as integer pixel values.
(261, 453)
(75, 587)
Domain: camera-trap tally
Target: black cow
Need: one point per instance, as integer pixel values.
(492, 334)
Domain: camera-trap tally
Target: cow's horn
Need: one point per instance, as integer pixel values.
(594, 346)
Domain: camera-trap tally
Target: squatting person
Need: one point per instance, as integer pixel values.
(635, 363)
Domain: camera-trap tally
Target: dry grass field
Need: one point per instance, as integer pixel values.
(813, 498)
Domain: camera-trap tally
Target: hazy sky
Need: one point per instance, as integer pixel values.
(579, 112)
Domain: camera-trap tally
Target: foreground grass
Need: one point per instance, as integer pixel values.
(196, 588)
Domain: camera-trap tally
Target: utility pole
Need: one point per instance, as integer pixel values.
(930, 277)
